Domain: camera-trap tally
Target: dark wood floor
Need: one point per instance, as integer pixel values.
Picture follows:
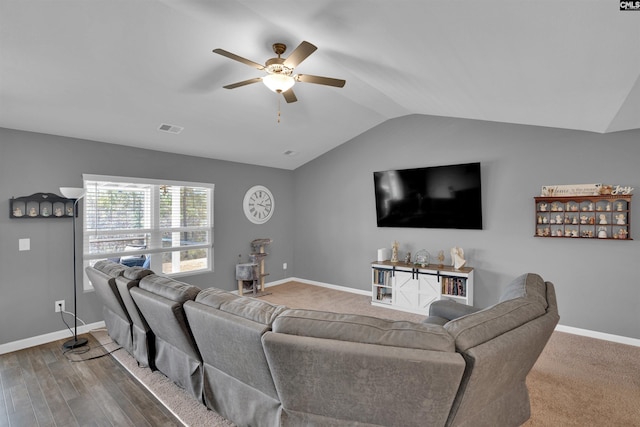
(40, 386)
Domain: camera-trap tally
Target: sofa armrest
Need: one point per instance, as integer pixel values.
(450, 310)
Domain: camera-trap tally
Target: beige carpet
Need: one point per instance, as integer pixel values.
(577, 381)
(580, 381)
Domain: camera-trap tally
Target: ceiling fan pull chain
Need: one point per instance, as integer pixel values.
(278, 109)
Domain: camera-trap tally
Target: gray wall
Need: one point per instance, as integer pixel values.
(597, 283)
(31, 281)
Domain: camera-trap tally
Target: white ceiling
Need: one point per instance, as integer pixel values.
(114, 70)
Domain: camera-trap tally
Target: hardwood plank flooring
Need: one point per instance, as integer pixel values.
(46, 386)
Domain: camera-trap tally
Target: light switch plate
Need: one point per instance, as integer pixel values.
(24, 244)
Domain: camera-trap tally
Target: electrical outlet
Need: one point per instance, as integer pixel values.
(284, 265)
(59, 306)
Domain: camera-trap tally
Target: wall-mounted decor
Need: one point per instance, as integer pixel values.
(571, 190)
(41, 205)
(601, 217)
(258, 204)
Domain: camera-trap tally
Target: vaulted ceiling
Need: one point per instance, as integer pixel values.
(114, 71)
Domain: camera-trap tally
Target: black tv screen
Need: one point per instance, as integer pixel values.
(431, 197)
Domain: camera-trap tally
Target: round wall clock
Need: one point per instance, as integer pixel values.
(258, 204)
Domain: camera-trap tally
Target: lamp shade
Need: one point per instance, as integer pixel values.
(278, 82)
(72, 192)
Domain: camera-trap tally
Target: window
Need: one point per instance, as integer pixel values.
(166, 226)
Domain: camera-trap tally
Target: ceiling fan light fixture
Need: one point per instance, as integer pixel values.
(278, 83)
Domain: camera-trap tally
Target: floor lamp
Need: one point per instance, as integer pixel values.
(76, 194)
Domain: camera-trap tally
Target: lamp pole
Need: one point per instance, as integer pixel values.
(75, 342)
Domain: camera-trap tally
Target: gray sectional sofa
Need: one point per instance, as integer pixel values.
(260, 364)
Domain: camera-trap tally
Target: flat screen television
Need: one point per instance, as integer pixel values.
(431, 197)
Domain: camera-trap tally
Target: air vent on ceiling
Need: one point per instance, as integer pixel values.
(170, 128)
(290, 153)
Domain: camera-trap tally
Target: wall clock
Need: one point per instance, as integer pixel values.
(258, 204)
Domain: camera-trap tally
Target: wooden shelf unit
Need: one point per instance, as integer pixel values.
(593, 217)
(41, 205)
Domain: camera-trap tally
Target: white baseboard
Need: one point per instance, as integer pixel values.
(599, 335)
(43, 339)
(321, 284)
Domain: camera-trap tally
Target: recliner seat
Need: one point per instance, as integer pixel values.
(161, 302)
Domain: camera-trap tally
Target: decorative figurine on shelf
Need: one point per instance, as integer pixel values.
(394, 251)
(559, 232)
(45, 212)
(33, 212)
(606, 189)
(558, 219)
(57, 211)
(620, 219)
(17, 212)
(407, 258)
(543, 207)
(591, 206)
(619, 206)
(608, 207)
(622, 233)
(602, 233)
(70, 211)
(422, 258)
(457, 258)
(584, 219)
(603, 219)
(441, 258)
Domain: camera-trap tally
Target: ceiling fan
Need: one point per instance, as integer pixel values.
(280, 77)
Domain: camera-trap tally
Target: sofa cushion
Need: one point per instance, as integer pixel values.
(363, 329)
(110, 268)
(530, 286)
(168, 288)
(214, 297)
(248, 308)
(136, 273)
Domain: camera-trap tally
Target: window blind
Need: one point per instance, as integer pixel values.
(164, 226)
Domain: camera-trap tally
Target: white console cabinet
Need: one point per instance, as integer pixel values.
(413, 288)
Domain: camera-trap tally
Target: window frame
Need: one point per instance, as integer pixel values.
(155, 231)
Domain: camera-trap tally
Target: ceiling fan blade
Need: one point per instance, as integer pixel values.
(299, 54)
(243, 83)
(289, 96)
(320, 80)
(238, 58)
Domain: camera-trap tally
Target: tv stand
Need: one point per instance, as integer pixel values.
(412, 287)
